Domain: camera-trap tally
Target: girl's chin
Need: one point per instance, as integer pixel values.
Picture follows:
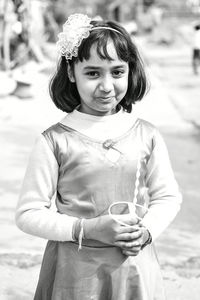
(107, 109)
(100, 109)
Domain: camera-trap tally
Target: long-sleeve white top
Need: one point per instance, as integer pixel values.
(34, 213)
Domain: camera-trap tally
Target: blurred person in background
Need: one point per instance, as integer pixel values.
(196, 49)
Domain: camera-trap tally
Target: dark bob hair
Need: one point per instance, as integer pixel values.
(65, 94)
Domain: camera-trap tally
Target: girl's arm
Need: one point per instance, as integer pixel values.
(165, 198)
(34, 213)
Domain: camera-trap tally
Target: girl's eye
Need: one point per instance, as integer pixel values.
(92, 74)
(118, 73)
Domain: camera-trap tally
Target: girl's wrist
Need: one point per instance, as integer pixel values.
(88, 229)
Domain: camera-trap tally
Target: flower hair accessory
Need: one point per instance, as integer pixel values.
(76, 28)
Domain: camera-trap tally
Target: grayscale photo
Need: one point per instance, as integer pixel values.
(100, 145)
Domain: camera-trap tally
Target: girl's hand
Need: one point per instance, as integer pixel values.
(133, 247)
(108, 231)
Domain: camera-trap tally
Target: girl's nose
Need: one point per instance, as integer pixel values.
(106, 84)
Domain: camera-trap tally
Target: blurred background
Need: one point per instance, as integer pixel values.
(167, 35)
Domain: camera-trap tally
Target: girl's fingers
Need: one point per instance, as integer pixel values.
(134, 252)
(129, 229)
(132, 222)
(135, 244)
(129, 237)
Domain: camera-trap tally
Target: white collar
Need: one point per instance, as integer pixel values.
(76, 114)
(101, 127)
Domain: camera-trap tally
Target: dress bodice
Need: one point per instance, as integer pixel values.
(95, 173)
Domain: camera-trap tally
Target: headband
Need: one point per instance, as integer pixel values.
(76, 28)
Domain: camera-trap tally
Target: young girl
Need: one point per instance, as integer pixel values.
(108, 171)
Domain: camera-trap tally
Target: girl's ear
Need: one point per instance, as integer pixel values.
(70, 73)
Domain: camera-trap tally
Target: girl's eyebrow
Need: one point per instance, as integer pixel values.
(91, 68)
(98, 68)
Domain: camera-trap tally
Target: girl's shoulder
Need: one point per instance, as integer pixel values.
(55, 135)
(149, 133)
(138, 122)
(147, 126)
(55, 130)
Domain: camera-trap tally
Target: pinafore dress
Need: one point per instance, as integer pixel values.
(92, 175)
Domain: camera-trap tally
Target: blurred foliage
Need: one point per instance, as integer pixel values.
(179, 7)
(26, 25)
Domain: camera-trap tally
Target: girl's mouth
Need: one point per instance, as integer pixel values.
(105, 99)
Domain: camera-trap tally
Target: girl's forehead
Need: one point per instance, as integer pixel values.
(110, 49)
(96, 59)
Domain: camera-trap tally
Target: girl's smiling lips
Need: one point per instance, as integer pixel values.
(105, 99)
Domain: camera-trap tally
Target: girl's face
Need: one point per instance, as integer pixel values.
(101, 84)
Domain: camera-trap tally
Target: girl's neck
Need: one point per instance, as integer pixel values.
(114, 111)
